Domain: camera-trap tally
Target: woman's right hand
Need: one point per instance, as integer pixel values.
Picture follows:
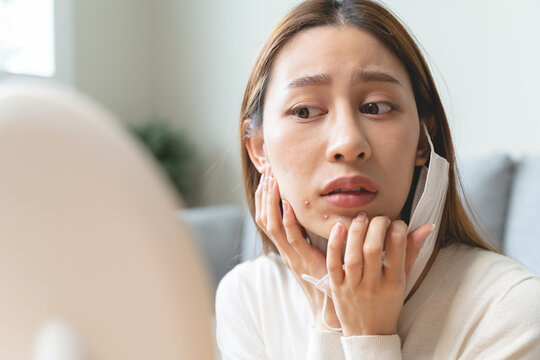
(297, 254)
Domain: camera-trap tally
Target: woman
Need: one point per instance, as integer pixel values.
(350, 174)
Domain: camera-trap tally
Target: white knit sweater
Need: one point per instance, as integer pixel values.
(473, 304)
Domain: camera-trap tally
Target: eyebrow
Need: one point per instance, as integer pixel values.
(378, 76)
(362, 76)
(320, 79)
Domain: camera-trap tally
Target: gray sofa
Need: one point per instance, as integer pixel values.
(505, 193)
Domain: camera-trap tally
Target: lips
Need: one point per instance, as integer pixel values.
(350, 192)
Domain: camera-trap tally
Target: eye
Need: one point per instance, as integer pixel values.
(376, 108)
(306, 112)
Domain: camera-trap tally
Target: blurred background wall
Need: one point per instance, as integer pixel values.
(188, 62)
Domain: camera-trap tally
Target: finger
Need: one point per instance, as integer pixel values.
(354, 256)
(396, 244)
(294, 234)
(274, 221)
(333, 254)
(264, 198)
(258, 200)
(415, 240)
(373, 247)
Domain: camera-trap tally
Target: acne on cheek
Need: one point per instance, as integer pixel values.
(307, 205)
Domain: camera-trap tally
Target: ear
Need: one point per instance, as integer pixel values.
(423, 150)
(255, 147)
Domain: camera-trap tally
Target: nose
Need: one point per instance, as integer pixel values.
(346, 140)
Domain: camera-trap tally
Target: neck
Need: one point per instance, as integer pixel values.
(318, 241)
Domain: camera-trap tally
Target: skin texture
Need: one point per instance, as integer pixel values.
(316, 132)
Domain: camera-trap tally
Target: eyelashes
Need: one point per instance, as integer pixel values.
(306, 112)
(374, 108)
(377, 108)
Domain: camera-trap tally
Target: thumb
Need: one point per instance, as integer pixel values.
(415, 240)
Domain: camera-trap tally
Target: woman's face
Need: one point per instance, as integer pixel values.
(340, 128)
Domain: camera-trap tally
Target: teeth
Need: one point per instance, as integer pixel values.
(348, 190)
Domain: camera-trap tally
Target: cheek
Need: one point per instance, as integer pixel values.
(296, 154)
(293, 157)
(396, 158)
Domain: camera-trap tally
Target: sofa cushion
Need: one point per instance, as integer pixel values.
(522, 237)
(487, 181)
(217, 231)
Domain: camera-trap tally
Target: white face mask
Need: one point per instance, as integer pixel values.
(427, 207)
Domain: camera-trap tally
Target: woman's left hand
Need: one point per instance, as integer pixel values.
(368, 292)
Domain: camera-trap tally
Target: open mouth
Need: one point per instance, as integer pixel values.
(352, 192)
(359, 190)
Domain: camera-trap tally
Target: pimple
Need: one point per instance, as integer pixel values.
(325, 216)
(306, 203)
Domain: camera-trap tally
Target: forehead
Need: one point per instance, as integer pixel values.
(336, 52)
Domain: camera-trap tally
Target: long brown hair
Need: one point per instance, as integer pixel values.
(456, 225)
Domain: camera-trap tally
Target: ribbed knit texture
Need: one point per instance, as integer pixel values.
(473, 304)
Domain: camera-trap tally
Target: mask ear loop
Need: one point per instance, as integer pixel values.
(428, 137)
(326, 291)
(323, 311)
(314, 280)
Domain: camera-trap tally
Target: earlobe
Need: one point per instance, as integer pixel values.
(421, 157)
(423, 150)
(255, 148)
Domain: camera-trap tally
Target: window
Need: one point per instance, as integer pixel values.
(27, 37)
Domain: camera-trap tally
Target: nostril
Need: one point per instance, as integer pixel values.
(361, 155)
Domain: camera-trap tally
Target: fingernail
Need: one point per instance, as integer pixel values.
(432, 228)
(336, 230)
(361, 217)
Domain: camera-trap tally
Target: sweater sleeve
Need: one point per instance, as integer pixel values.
(237, 335)
(330, 345)
(511, 327)
(376, 347)
(324, 345)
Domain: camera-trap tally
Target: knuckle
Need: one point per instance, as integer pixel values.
(398, 236)
(353, 263)
(371, 250)
(272, 231)
(334, 266)
(294, 240)
(398, 226)
(287, 221)
(333, 246)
